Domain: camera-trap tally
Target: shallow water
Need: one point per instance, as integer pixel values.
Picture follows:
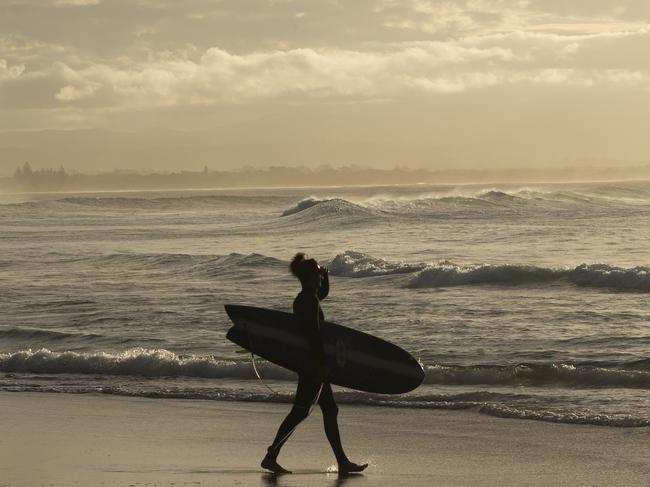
(526, 301)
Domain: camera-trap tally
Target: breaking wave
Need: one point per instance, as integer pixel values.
(452, 201)
(163, 363)
(447, 274)
(313, 208)
(358, 264)
(135, 362)
(159, 373)
(303, 205)
(514, 405)
(486, 202)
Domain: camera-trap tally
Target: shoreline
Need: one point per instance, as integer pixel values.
(491, 410)
(94, 439)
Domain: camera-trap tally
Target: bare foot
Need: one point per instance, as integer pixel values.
(349, 467)
(272, 464)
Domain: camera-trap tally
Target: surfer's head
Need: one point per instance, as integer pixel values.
(306, 270)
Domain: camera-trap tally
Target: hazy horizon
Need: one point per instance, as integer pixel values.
(424, 84)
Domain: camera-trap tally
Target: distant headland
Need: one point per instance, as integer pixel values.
(27, 179)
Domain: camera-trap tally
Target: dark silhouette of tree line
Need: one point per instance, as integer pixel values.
(26, 178)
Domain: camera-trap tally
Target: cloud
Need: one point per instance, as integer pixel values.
(73, 93)
(145, 54)
(25, 51)
(465, 17)
(10, 72)
(220, 76)
(76, 3)
(388, 70)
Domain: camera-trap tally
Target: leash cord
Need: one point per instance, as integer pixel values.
(311, 408)
(250, 344)
(259, 376)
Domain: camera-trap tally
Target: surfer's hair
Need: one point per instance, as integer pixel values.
(301, 266)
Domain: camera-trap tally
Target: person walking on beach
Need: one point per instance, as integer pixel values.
(311, 387)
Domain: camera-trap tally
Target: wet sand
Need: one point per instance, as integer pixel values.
(83, 440)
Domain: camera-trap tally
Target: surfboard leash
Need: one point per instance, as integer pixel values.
(313, 404)
(259, 376)
(316, 399)
(250, 342)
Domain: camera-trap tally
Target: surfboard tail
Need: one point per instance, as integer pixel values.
(238, 336)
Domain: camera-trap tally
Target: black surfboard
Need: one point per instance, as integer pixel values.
(357, 360)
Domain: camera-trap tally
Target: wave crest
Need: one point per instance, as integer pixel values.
(603, 275)
(135, 362)
(313, 208)
(163, 363)
(445, 274)
(448, 274)
(358, 264)
(303, 205)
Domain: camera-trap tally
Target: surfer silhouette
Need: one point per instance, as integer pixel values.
(313, 387)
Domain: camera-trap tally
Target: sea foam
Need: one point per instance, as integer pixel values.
(135, 362)
(358, 264)
(448, 274)
(164, 363)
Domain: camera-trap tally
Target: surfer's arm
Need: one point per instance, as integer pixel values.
(324, 288)
(312, 329)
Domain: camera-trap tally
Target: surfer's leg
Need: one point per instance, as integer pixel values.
(330, 420)
(305, 394)
(293, 419)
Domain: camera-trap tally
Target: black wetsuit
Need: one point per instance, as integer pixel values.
(306, 308)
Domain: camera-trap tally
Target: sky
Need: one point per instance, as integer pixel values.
(164, 84)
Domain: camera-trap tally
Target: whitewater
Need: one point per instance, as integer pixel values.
(527, 301)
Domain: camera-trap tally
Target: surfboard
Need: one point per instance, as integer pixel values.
(357, 360)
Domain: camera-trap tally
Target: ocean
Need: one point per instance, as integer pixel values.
(525, 301)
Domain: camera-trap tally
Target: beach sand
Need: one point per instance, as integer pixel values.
(88, 440)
